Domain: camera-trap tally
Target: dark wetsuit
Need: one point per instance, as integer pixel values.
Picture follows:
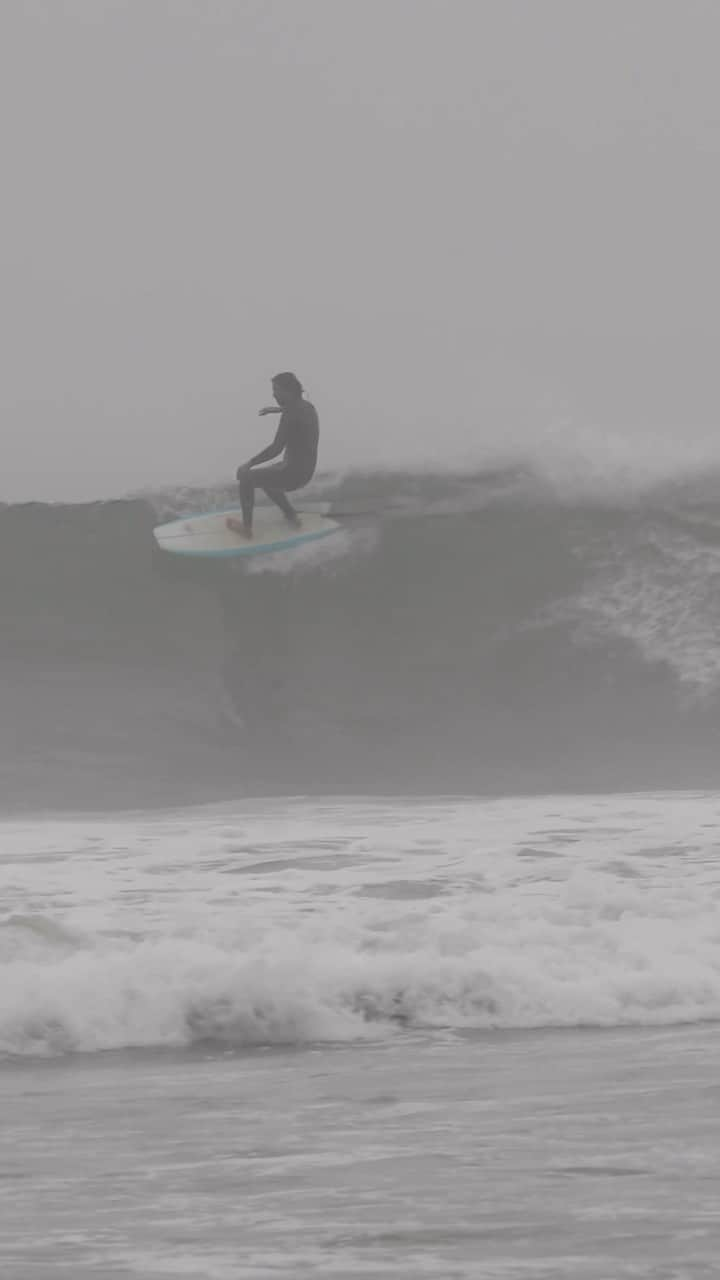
(297, 439)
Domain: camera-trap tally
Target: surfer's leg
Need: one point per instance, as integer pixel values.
(279, 497)
(246, 490)
(275, 481)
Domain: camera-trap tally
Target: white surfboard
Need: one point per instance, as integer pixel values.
(208, 534)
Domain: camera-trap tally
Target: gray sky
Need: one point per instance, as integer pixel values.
(456, 220)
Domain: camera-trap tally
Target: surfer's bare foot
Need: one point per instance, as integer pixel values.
(237, 526)
(294, 521)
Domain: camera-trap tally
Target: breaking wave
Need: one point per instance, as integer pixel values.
(288, 922)
(509, 630)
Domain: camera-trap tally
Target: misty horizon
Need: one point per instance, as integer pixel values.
(460, 224)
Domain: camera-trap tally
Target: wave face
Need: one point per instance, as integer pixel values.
(489, 632)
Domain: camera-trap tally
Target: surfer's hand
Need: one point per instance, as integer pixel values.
(269, 408)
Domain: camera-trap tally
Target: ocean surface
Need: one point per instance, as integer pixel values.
(359, 910)
(504, 631)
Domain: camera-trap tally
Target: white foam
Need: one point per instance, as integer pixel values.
(658, 589)
(585, 461)
(307, 557)
(307, 921)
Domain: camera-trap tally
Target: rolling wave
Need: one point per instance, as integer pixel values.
(287, 922)
(486, 632)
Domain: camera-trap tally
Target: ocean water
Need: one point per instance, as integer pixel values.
(359, 909)
(505, 631)
(363, 1037)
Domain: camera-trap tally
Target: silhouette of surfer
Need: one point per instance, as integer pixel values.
(297, 440)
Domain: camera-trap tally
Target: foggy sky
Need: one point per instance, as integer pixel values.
(456, 220)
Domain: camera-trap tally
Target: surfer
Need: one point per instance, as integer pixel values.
(296, 439)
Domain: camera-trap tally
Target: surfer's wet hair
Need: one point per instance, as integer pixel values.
(288, 382)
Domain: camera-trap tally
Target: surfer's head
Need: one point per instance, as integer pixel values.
(286, 388)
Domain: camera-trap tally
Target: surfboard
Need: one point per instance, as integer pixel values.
(208, 535)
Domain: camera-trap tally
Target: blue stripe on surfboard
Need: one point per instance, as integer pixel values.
(249, 548)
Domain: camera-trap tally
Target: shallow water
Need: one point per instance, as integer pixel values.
(544, 1154)
(363, 1038)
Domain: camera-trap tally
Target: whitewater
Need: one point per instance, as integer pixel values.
(360, 910)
